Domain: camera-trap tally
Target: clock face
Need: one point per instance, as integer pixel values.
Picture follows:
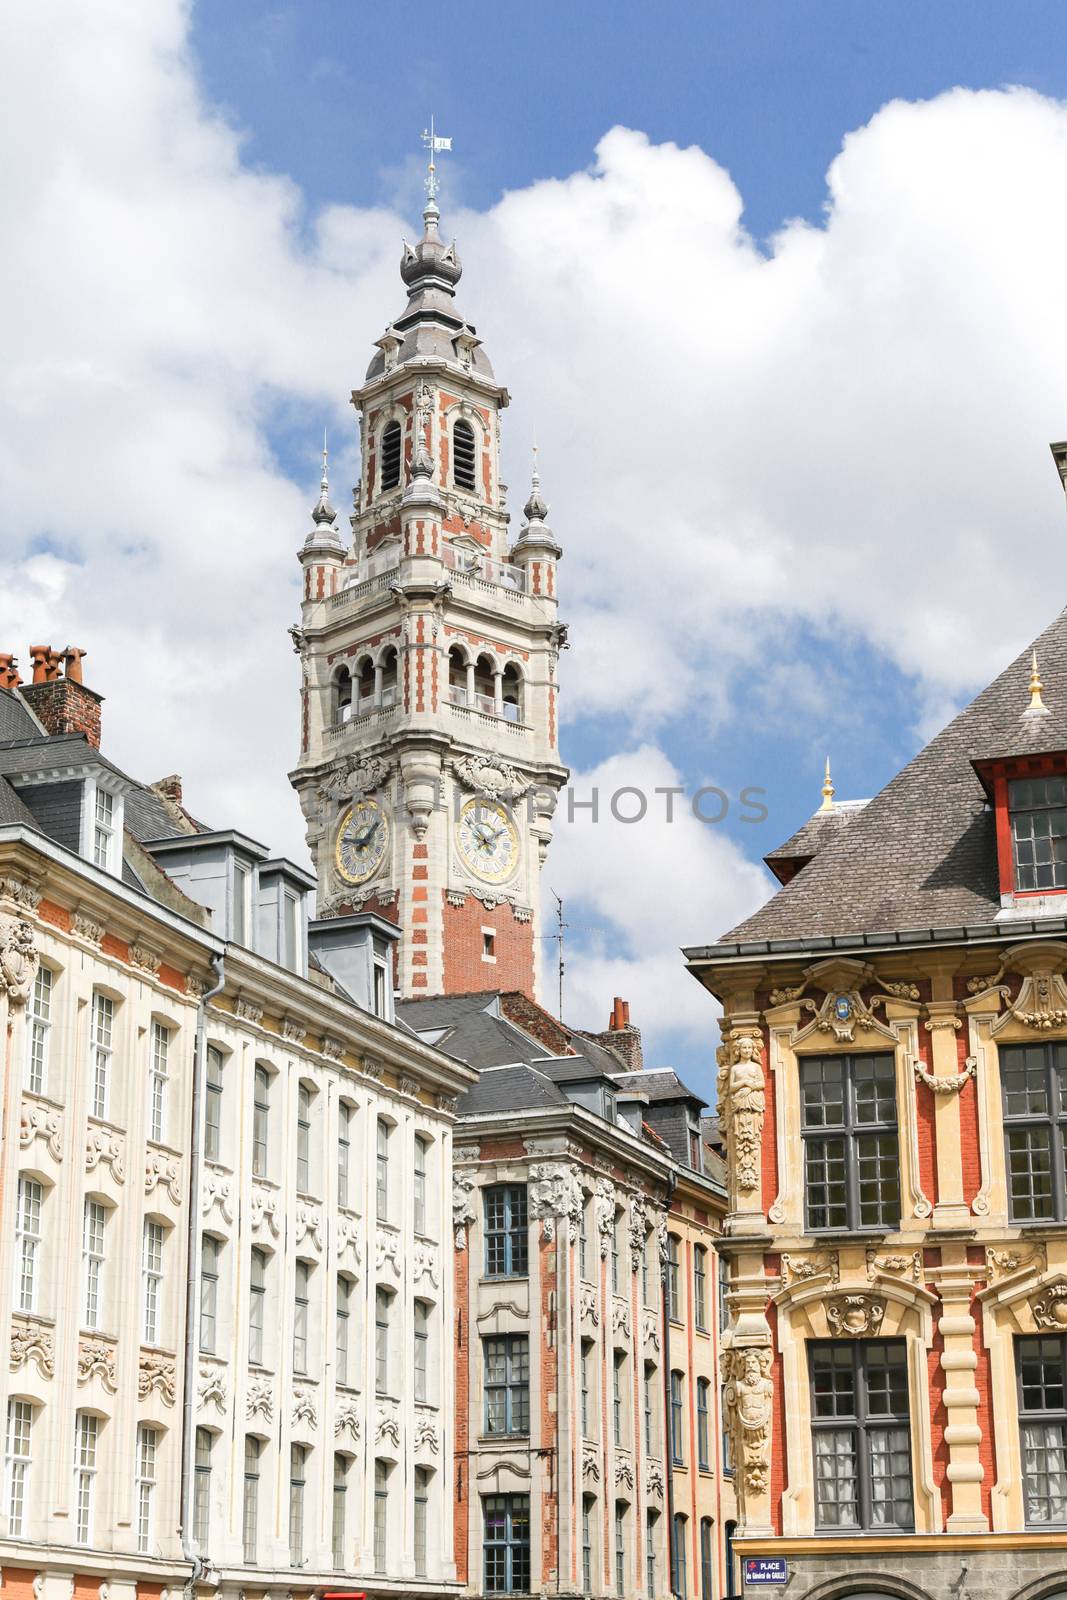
(487, 840)
(362, 838)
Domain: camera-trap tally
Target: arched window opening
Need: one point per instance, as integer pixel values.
(389, 472)
(457, 677)
(511, 689)
(484, 692)
(463, 456)
(389, 665)
(342, 695)
(365, 698)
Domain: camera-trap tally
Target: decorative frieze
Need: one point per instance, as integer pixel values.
(347, 1232)
(85, 926)
(96, 1359)
(18, 960)
(425, 1264)
(216, 1189)
(293, 1032)
(39, 1120)
(638, 1228)
(587, 1309)
(304, 1408)
(556, 1196)
(156, 1371)
(906, 1264)
(852, 1316)
(164, 1171)
(248, 1010)
(308, 1223)
(263, 1209)
(211, 1386)
(620, 1317)
(346, 1419)
(333, 1048)
(604, 1210)
(653, 1480)
(426, 1435)
(387, 1252)
(803, 1269)
(24, 894)
(934, 1081)
(590, 1461)
(259, 1399)
(1005, 1263)
(142, 956)
(650, 1330)
(104, 1145)
(387, 1423)
(624, 1473)
(32, 1340)
(1049, 1308)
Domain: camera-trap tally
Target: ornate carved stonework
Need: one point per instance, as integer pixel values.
(352, 779)
(620, 1317)
(18, 960)
(556, 1196)
(156, 1371)
(1050, 1307)
(1041, 1003)
(742, 1104)
(387, 1252)
(309, 1222)
(587, 1304)
(425, 1264)
(211, 1387)
(333, 1048)
(259, 1401)
(387, 1424)
(371, 1067)
(32, 1341)
(624, 1473)
(37, 1120)
(802, 1269)
(590, 1462)
(447, 1103)
(747, 1396)
(1003, 1263)
(945, 1085)
(141, 956)
(105, 1145)
(650, 1329)
(96, 1359)
(264, 1209)
(86, 927)
(908, 1264)
(248, 1010)
(346, 1419)
(25, 895)
(195, 985)
(490, 777)
(216, 1190)
(463, 1213)
(304, 1408)
(850, 1316)
(654, 1479)
(348, 1237)
(604, 1208)
(164, 1171)
(638, 1228)
(426, 1434)
(409, 1086)
(295, 1032)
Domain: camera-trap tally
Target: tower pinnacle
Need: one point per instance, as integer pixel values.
(434, 143)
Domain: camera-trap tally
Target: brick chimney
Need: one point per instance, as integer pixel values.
(63, 703)
(622, 1037)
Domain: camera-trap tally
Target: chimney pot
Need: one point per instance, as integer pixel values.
(9, 672)
(73, 658)
(62, 704)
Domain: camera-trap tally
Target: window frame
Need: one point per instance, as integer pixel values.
(392, 431)
(672, 1279)
(203, 1446)
(515, 1547)
(339, 1510)
(1047, 809)
(345, 1115)
(213, 1092)
(679, 1537)
(381, 1516)
(1044, 1417)
(153, 1234)
(384, 1300)
(863, 1424)
(1052, 1121)
(513, 1388)
(420, 1174)
(211, 1249)
(342, 1330)
(146, 1446)
(302, 1271)
(849, 1132)
(39, 1031)
(303, 1138)
(422, 1478)
(470, 487)
(250, 1500)
(261, 1083)
(258, 1263)
(94, 1262)
(700, 1288)
(29, 1238)
(703, 1409)
(158, 1080)
(18, 1464)
(86, 1466)
(381, 1169)
(102, 1053)
(420, 1361)
(299, 1455)
(508, 1242)
(677, 1418)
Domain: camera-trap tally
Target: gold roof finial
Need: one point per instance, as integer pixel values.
(1037, 706)
(828, 790)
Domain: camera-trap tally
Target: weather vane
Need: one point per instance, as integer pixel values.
(434, 143)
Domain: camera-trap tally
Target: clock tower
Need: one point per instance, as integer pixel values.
(429, 765)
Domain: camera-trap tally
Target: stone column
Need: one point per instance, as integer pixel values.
(741, 1106)
(943, 1025)
(498, 691)
(955, 1281)
(470, 684)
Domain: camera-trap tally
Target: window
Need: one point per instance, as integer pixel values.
(40, 1026)
(506, 1234)
(650, 1376)
(488, 944)
(303, 1139)
(250, 1500)
(343, 1324)
(17, 1462)
(260, 1121)
(213, 1105)
(700, 1288)
(103, 1022)
(383, 1302)
(202, 1487)
(617, 1369)
(1042, 1365)
(615, 1253)
(1034, 1085)
(507, 1543)
(1038, 811)
(729, 1534)
(157, 1083)
(242, 902)
(344, 1151)
(849, 1128)
(93, 1220)
(389, 472)
(151, 1280)
(587, 1350)
(463, 455)
(620, 1548)
(674, 1297)
(298, 1463)
(147, 1440)
(210, 1250)
(677, 1419)
(705, 1559)
(651, 1519)
(422, 1507)
(27, 1242)
(290, 930)
(646, 1284)
(422, 1350)
(422, 1145)
(103, 828)
(381, 992)
(681, 1581)
(301, 1311)
(86, 1434)
(860, 1424)
(257, 1306)
(382, 1186)
(381, 1515)
(507, 1384)
(340, 1510)
(703, 1434)
(583, 1242)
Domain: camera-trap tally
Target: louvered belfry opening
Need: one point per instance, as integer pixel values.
(391, 447)
(463, 456)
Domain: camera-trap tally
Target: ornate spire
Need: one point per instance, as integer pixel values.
(324, 511)
(535, 536)
(828, 790)
(1037, 706)
(536, 508)
(431, 265)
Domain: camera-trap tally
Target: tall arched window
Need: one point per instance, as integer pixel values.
(457, 677)
(511, 690)
(365, 699)
(463, 455)
(389, 471)
(389, 662)
(483, 685)
(342, 689)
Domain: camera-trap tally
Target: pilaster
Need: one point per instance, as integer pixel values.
(955, 1281)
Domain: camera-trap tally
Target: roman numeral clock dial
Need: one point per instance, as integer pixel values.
(362, 839)
(487, 840)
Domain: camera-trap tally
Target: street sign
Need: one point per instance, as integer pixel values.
(759, 1570)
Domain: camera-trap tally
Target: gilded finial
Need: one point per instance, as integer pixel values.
(828, 790)
(1037, 706)
(434, 143)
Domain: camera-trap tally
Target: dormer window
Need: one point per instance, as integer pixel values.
(103, 828)
(1038, 811)
(389, 474)
(463, 456)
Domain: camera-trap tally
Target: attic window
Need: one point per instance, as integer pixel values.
(1038, 811)
(390, 469)
(488, 944)
(463, 456)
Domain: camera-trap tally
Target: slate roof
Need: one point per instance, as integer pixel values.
(12, 809)
(922, 853)
(659, 1083)
(510, 1088)
(147, 817)
(16, 719)
(815, 834)
(37, 754)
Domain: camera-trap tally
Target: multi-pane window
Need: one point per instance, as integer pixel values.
(257, 1306)
(202, 1487)
(382, 1170)
(1042, 1365)
(681, 1576)
(103, 828)
(862, 1440)
(507, 1384)
(298, 1466)
(213, 1104)
(618, 1366)
(583, 1242)
(422, 1350)
(210, 1251)
(86, 1435)
(422, 1510)
(102, 1028)
(677, 1418)
(301, 1314)
(703, 1428)
(705, 1559)
(39, 1028)
(587, 1350)
(93, 1219)
(383, 1304)
(303, 1139)
(588, 1503)
(343, 1327)
(646, 1284)
(260, 1121)
(1038, 811)
(17, 1460)
(151, 1280)
(651, 1518)
(157, 1083)
(422, 1145)
(700, 1288)
(507, 1543)
(620, 1548)
(381, 1515)
(849, 1126)
(27, 1242)
(615, 1253)
(250, 1500)
(147, 1441)
(650, 1374)
(1034, 1086)
(344, 1151)
(506, 1231)
(674, 1288)
(339, 1521)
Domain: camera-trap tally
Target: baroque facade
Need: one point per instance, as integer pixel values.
(893, 1086)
